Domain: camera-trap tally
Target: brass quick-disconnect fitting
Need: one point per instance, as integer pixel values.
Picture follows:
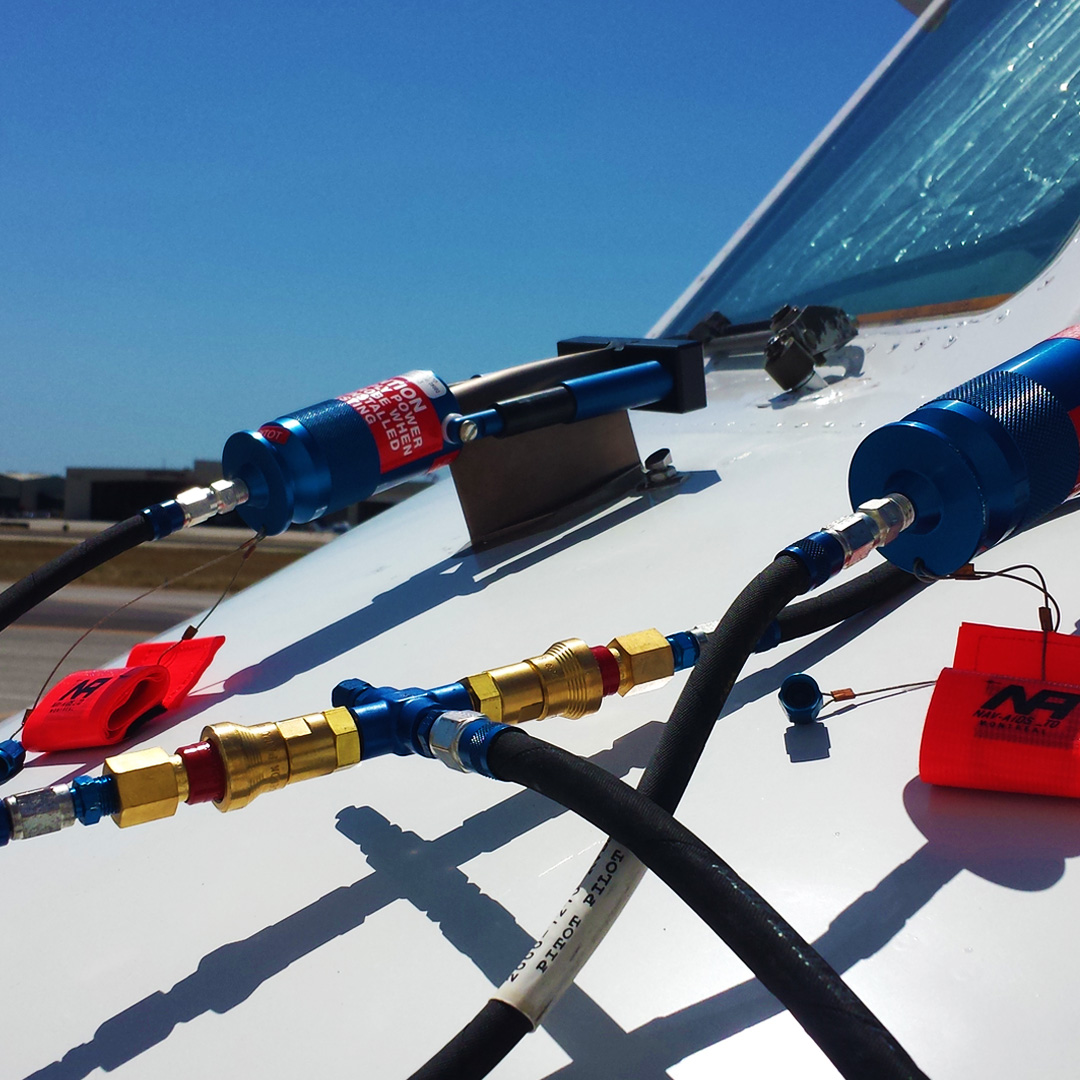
(563, 681)
(644, 658)
(266, 757)
(150, 784)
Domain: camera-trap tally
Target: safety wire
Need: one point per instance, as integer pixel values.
(245, 550)
(847, 694)
(1049, 619)
(1049, 613)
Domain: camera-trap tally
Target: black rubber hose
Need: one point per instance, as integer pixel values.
(884, 582)
(706, 691)
(788, 966)
(19, 598)
(479, 1046)
(670, 767)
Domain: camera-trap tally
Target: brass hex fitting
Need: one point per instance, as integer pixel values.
(265, 757)
(150, 784)
(644, 657)
(563, 681)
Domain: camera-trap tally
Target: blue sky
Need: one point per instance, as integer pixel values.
(212, 213)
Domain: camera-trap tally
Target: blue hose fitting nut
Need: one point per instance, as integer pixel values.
(12, 759)
(460, 740)
(685, 649)
(874, 524)
(982, 461)
(165, 518)
(94, 797)
(822, 555)
(801, 698)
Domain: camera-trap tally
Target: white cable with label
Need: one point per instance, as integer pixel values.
(554, 961)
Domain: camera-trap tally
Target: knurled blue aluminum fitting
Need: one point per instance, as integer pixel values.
(822, 555)
(982, 461)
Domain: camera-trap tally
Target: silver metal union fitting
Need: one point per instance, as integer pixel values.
(202, 503)
(445, 736)
(44, 810)
(874, 524)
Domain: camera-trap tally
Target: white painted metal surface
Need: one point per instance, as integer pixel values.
(348, 926)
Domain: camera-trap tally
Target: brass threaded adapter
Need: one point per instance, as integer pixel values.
(564, 680)
(150, 784)
(265, 757)
(643, 658)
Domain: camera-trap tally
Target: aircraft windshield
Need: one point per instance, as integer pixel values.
(953, 183)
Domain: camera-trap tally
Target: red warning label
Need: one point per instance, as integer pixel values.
(402, 419)
(274, 433)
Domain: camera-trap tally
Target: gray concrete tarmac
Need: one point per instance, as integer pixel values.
(32, 645)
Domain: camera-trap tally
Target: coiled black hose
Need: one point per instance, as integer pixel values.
(19, 598)
(706, 691)
(788, 966)
(885, 582)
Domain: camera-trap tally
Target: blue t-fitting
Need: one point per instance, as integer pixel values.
(392, 721)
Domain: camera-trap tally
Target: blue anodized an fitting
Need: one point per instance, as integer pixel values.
(460, 740)
(12, 759)
(801, 698)
(392, 721)
(981, 461)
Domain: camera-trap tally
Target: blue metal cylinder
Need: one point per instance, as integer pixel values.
(620, 388)
(982, 461)
(338, 452)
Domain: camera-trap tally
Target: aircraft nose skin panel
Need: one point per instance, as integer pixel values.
(354, 923)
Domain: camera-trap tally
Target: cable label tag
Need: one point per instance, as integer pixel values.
(401, 417)
(554, 961)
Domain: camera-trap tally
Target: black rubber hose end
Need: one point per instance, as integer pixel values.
(26, 594)
(479, 1046)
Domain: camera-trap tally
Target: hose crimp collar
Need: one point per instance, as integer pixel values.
(460, 740)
